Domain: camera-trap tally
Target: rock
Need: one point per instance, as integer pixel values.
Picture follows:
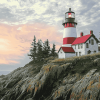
(30, 99)
(97, 61)
(53, 82)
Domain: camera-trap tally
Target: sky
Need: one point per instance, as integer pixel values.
(20, 20)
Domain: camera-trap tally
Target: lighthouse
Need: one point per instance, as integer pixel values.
(73, 45)
(69, 24)
(69, 35)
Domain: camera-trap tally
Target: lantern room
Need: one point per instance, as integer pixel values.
(69, 18)
(69, 14)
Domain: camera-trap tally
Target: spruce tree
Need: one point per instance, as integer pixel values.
(46, 49)
(39, 50)
(53, 51)
(33, 49)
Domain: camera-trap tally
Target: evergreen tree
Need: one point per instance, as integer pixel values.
(39, 50)
(53, 51)
(46, 49)
(33, 49)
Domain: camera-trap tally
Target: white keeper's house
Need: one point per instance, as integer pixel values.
(73, 45)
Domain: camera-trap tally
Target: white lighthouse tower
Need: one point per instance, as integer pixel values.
(69, 24)
(69, 35)
(73, 45)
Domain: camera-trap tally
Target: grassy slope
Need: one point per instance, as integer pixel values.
(80, 65)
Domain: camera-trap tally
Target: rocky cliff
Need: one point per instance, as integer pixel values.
(76, 78)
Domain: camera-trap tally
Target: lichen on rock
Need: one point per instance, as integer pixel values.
(58, 79)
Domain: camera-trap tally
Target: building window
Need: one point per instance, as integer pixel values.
(89, 41)
(81, 45)
(78, 46)
(87, 45)
(92, 42)
(76, 54)
(75, 46)
(79, 53)
(88, 52)
(94, 51)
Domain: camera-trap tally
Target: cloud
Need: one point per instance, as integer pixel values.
(22, 19)
(16, 40)
(49, 12)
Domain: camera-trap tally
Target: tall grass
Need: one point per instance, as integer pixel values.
(81, 64)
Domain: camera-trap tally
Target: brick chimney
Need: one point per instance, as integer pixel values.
(81, 34)
(91, 32)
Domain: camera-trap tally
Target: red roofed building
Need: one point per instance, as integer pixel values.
(82, 45)
(73, 45)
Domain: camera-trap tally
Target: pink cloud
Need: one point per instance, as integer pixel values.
(15, 41)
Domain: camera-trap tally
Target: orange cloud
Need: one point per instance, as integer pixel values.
(15, 41)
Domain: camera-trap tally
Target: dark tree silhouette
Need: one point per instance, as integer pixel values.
(33, 50)
(53, 51)
(46, 49)
(41, 50)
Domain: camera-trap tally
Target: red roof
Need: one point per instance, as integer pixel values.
(81, 39)
(67, 49)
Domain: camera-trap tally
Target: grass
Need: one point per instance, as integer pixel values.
(38, 65)
(81, 64)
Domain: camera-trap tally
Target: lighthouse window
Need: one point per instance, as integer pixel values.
(69, 15)
(66, 15)
(92, 42)
(73, 15)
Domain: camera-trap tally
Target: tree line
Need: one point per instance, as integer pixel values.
(39, 51)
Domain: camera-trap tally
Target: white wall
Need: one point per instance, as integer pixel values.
(70, 32)
(82, 50)
(61, 54)
(67, 55)
(91, 47)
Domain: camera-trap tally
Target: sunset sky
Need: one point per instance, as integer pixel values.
(20, 20)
